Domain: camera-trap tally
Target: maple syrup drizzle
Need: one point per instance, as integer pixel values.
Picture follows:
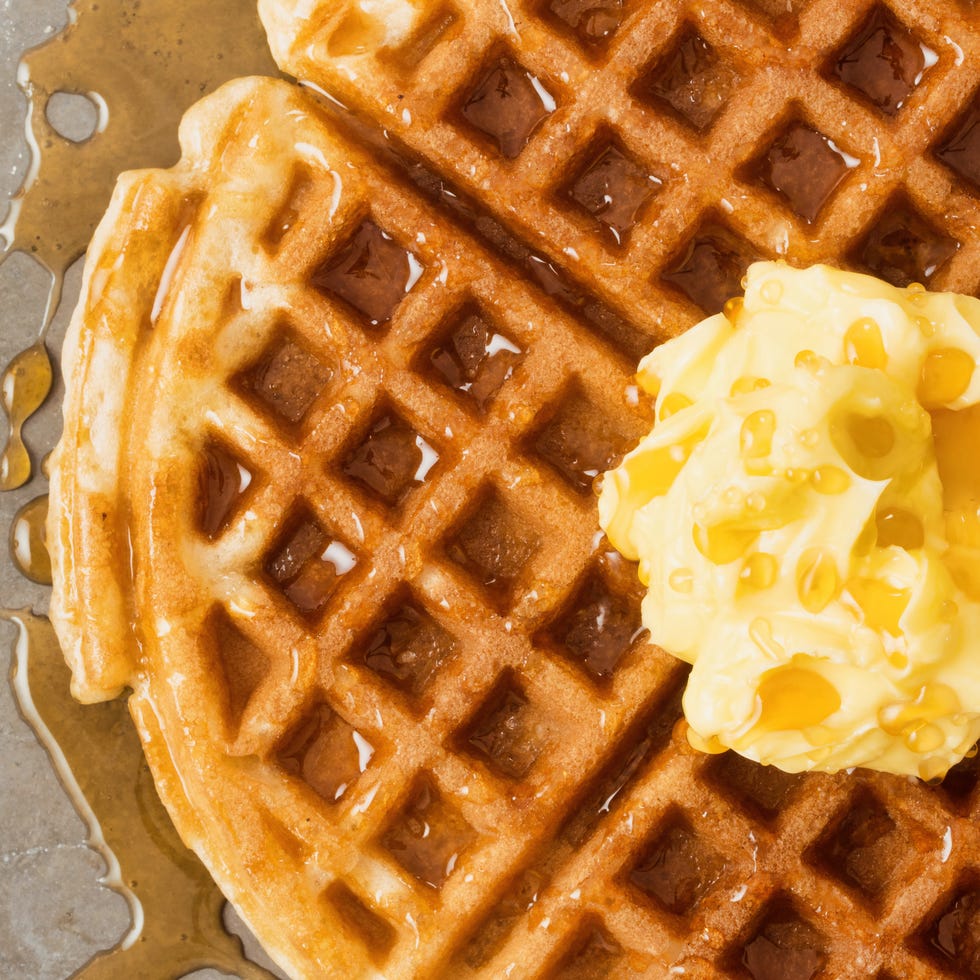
(142, 65)
(177, 908)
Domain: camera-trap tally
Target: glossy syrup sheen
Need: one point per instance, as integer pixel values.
(147, 62)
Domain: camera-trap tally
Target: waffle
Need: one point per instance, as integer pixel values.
(341, 543)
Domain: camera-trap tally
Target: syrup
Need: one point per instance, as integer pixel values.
(556, 282)
(373, 931)
(785, 947)
(100, 761)
(882, 61)
(613, 188)
(372, 273)
(428, 836)
(494, 547)
(221, 481)
(804, 168)
(506, 106)
(497, 734)
(594, 21)
(287, 379)
(475, 360)
(691, 82)
(322, 751)
(598, 628)
(392, 460)
(407, 648)
(678, 869)
(307, 566)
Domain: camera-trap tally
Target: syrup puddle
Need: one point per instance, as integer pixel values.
(176, 908)
(139, 66)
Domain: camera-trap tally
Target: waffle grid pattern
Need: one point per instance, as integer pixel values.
(590, 840)
(748, 130)
(739, 859)
(479, 754)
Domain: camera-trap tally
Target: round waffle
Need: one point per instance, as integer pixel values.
(324, 496)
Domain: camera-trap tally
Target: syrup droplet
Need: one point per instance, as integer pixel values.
(881, 604)
(946, 374)
(732, 308)
(25, 385)
(817, 580)
(924, 737)
(794, 696)
(756, 436)
(27, 541)
(900, 527)
(863, 344)
(829, 480)
(908, 718)
(723, 543)
(758, 572)
(746, 384)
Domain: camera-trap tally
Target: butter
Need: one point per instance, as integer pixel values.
(805, 518)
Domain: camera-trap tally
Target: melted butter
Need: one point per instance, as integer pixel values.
(142, 64)
(723, 543)
(177, 908)
(652, 472)
(792, 546)
(863, 344)
(881, 604)
(946, 374)
(817, 581)
(900, 527)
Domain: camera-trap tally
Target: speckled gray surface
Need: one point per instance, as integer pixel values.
(54, 914)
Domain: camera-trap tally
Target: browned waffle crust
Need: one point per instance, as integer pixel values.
(456, 758)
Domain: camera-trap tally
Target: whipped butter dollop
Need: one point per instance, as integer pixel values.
(805, 518)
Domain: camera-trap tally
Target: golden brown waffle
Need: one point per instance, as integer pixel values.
(722, 131)
(397, 704)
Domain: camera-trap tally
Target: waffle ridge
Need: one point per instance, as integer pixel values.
(334, 748)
